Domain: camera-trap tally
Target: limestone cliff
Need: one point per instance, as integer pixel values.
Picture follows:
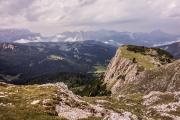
(164, 79)
(130, 62)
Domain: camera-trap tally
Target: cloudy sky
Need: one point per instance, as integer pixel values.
(54, 16)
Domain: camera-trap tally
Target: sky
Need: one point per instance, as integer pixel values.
(54, 16)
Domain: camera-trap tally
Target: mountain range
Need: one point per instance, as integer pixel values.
(173, 48)
(24, 54)
(154, 38)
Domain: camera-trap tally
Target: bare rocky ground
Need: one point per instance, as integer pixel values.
(166, 104)
(57, 102)
(51, 101)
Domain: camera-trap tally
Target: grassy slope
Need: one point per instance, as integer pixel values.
(140, 58)
(98, 69)
(145, 57)
(131, 103)
(21, 97)
(16, 103)
(21, 108)
(82, 84)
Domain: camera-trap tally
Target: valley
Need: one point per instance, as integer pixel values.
(36, 59)
(139, 83)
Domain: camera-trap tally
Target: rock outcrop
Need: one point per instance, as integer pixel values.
(56, 101)
(72, 107)
(50, 101)
(7, 46)
(165, 78)
(132, 64)
(165, 104)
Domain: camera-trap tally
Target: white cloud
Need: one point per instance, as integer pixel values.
(49, 16)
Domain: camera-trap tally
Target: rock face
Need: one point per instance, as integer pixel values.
(132, 63)
(50, 101)
(72, 107)
(165, 78)
(7, 46)
(119, 73)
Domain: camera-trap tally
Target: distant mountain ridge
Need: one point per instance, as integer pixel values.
(12, 35)
(173, 48)
(154, 38)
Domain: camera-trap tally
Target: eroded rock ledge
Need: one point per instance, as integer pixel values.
(72, 107)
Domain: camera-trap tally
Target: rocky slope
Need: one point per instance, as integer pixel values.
(164, 79)
(57, 102)
(130, 62)
(48, 101)
(150, 73)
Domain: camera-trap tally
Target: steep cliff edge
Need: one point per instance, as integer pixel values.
(164, 79)
(130, 63)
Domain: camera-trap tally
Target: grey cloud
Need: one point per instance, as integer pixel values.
(175, 15)
(86, 2)
(15, 7)
(73, 14)
(115, 22)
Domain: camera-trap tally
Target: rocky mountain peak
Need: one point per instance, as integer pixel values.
(7, 46)
(130, 62)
